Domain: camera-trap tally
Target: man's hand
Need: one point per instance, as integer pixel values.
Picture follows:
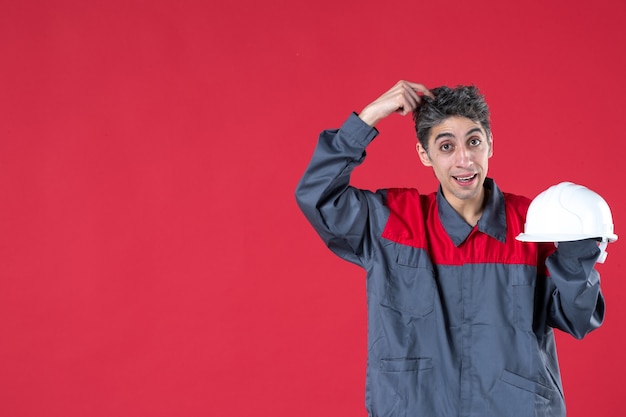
(403, 98)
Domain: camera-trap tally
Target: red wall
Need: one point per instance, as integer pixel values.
(152, 258)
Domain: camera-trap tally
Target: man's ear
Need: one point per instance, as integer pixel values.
(490, 145)
(423, 154)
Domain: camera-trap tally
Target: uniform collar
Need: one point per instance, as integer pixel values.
(492, 222)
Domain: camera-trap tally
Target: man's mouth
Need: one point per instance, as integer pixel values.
(465, 179)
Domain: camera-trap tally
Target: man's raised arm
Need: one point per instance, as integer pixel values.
(337, 211)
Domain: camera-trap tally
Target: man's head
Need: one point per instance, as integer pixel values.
(455, 140)
(464, 101)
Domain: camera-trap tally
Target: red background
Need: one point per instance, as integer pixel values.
(152, 258)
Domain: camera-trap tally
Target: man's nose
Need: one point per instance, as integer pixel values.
(463, 157)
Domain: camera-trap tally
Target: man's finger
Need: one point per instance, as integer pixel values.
(421, 88)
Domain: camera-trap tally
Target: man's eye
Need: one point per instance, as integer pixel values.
(446, 147)
(475, 142)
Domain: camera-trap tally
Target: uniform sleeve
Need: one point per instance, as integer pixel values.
(338, 212)
(576, 303)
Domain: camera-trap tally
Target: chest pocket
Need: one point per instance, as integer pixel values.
(410, 286)
(523, 288)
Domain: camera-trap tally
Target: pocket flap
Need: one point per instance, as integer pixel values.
(405, 364)
(526, 384)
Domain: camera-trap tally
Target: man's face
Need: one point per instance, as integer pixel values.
(459, 152)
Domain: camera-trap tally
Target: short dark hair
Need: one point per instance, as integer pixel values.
(465, 101)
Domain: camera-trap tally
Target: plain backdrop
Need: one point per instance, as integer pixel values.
(153, 261)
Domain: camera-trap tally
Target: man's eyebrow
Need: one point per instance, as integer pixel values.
(450, 135)
(474, 130)
(444, 135)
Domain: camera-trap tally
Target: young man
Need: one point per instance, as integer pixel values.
(460, 314)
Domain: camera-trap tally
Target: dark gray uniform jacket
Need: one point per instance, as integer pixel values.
(460, 318)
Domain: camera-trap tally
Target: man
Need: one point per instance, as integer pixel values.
(460, 314)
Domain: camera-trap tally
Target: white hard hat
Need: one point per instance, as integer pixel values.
(566, 212)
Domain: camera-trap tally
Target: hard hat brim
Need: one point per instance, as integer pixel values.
(526, 237)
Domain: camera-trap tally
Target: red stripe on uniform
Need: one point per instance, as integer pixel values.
(413, 221)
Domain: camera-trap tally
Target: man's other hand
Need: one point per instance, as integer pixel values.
(402, 98)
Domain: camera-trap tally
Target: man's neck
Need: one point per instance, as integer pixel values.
(469, 210)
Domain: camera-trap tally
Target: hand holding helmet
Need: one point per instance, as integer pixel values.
(568, 212)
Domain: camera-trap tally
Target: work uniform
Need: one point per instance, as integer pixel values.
(460, 318)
